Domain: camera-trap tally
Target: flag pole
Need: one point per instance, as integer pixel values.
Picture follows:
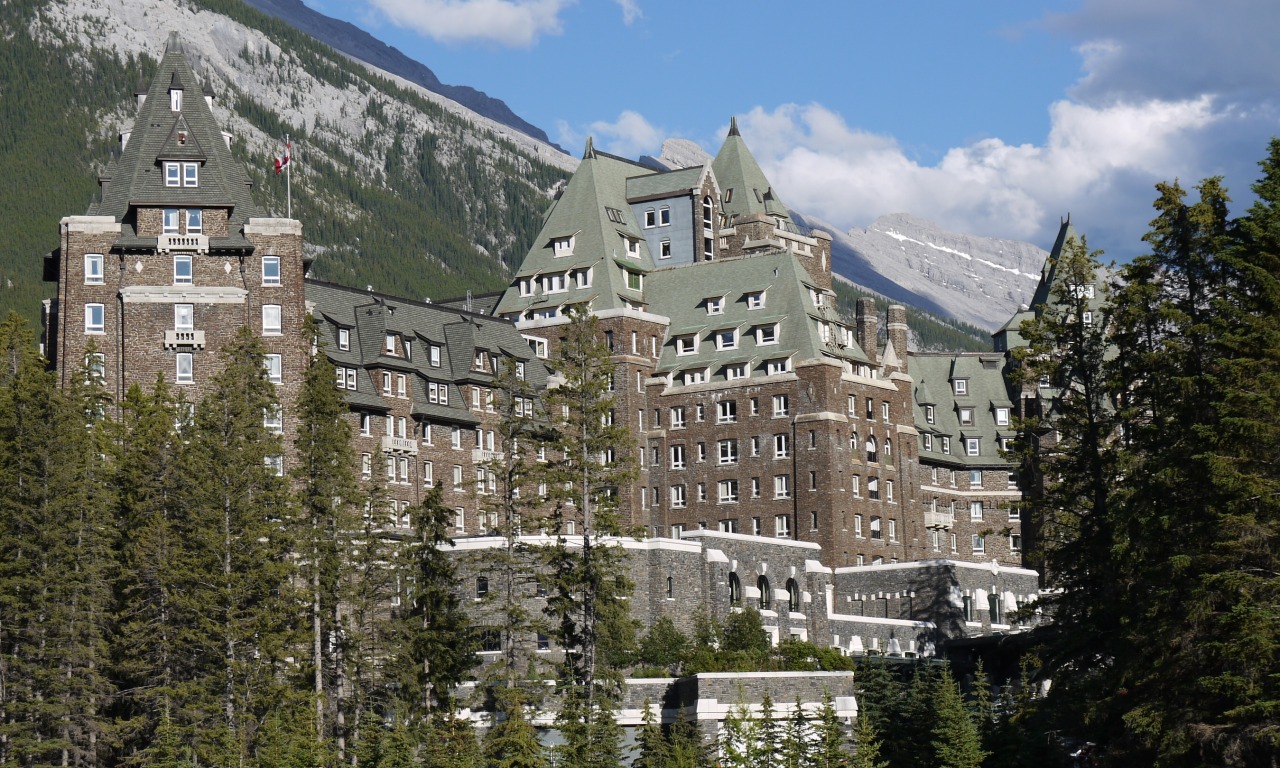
(288, 173)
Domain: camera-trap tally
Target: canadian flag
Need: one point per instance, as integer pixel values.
(283, 161)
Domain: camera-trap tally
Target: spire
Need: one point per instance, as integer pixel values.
(208, 86)
(173, 44)
(590, 152)
(733, 126)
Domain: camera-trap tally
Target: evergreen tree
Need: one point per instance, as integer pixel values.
(866, 746)
(436, 646)
(328, 523)
(766, 751)
(449, 742)
(797, 741)
(738, 738)
(652, 748)
(664, 645)
(512, 742)
(246, 619)
(688, 749)
(830, 742)
(955, 742)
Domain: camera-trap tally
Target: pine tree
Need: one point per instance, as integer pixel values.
(738, 739)
(688, 750)
(512, 742)
(652, 748)
(955, 742)
(866, 746)
(325, 483)
(245, 611)
(590, 452)
(766, 752)
(449, 742)
(830, 743)
(435, 644)
(797, 747)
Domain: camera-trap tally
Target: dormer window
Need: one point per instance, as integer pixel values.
(686, 345)
(563, 246)
(960, 386)
(755, 300)
(715, 305)
(190, 174)
(181, 174)
(633, 248)
(175, 99)
(173, 174)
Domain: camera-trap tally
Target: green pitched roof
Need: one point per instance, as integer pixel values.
(193, 134)
(681, 293)
(665, 184)
(742, 181)
(594, 211)
(985, 391)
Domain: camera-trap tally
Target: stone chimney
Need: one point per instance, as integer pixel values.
(896, 322)
(868, 326)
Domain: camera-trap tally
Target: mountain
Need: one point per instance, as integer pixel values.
(357, 43)
(398, 187)
(980, 280)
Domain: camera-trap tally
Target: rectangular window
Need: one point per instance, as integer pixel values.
(960, 386)
(184, 317)
(715, 305)
(767, 334)
(400, 385)
(975, 510)
(755, 300)
(778, 365)
(664, 216)
(677, 457)
(169, 224)
(1015, 542)
(95, 367)
(857, 526)
(195, 221)
(876, 533)
(457, 477)
(979, 544)
(93, 269)
(664, 249)
(728, 450)
(926, 441)
(782, 529)
(184, 373)
(726, 411)
(972, 445)
(728, 490)
(781, 446)
(273, 419)
(966, 416)
(781, 406)
(686, 345)
(95, 320)
(884, 411)
(275, 373)
(727, 339)
(366, 464)
(182, 269)
(351, 378)
(190, 174)
(173, 174)
(735, 372)
(678, 500)
(975, 478)
(344, 339)
(677, 417)
(270, 270)
(928, 413)
(893, 530)
(946, 445)
(781, 487)
(1002, 417)
(270, 319)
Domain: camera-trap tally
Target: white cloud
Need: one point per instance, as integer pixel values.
(1098, 163)
(515, 23)
(631, 135)
(630, 11)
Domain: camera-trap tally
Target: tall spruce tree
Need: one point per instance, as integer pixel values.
(512, 742)
(247, 623)
(955, 741)
(328, 522)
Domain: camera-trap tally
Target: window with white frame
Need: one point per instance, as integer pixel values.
(664, 216)
(677, 417)
(767, 334)
(182, 269)
(888, 490)
(728, 451)
(966, 416)
(856, 486)
(979, 544)
(582, 277)
(95, 318)
(873, 488)
(960, 386)
(728, 491)
(195, 221)
(275, 368)
(274, 464)
(678, 500)
(650, 217)
(271, 319)
(273, 419)
(678, 456)
(727, 339)
(95, 364)
(1015, 542)
(695, 376)
(893, 529)
(972, 446)
(664, 249)
(781, 405)
(173, 174)
(169, 222)
(735, 371)
(366, 464)
(563, 246)
(184, 372)
(726, 411)
(778, 365)
(687, 344)
(928, 413)
(455, 438)
(946, 444)
(715, 305)
(781, 446)
(926, 441)
(857, 526)
(755, 445)
(93, 269)
(344, 339)
(975, 510)
(782, 530)
(190, 174)
(184, 317)
(782, 486)
(755, 300)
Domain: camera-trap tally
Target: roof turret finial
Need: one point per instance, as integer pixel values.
(590, 152)
(733, 126)
(173, 44)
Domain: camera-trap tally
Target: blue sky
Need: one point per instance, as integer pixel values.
(996, 117)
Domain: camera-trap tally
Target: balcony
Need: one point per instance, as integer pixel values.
(175, 339)
(197, 243)
(399, 445)
(939, 520)
(480, 455)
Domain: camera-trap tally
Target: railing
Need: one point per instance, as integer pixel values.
(399, 445)
(480, 455)
(936, 520)
(197, 243)
(173, 339)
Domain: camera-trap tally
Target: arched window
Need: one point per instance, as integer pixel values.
(671, 587)
(871, 448)
(735, 590)
(888, 448)
(793, 595)
(706, 211)
(766, 598)
(853, 441)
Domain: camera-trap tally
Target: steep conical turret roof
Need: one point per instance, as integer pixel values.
(744, 186)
